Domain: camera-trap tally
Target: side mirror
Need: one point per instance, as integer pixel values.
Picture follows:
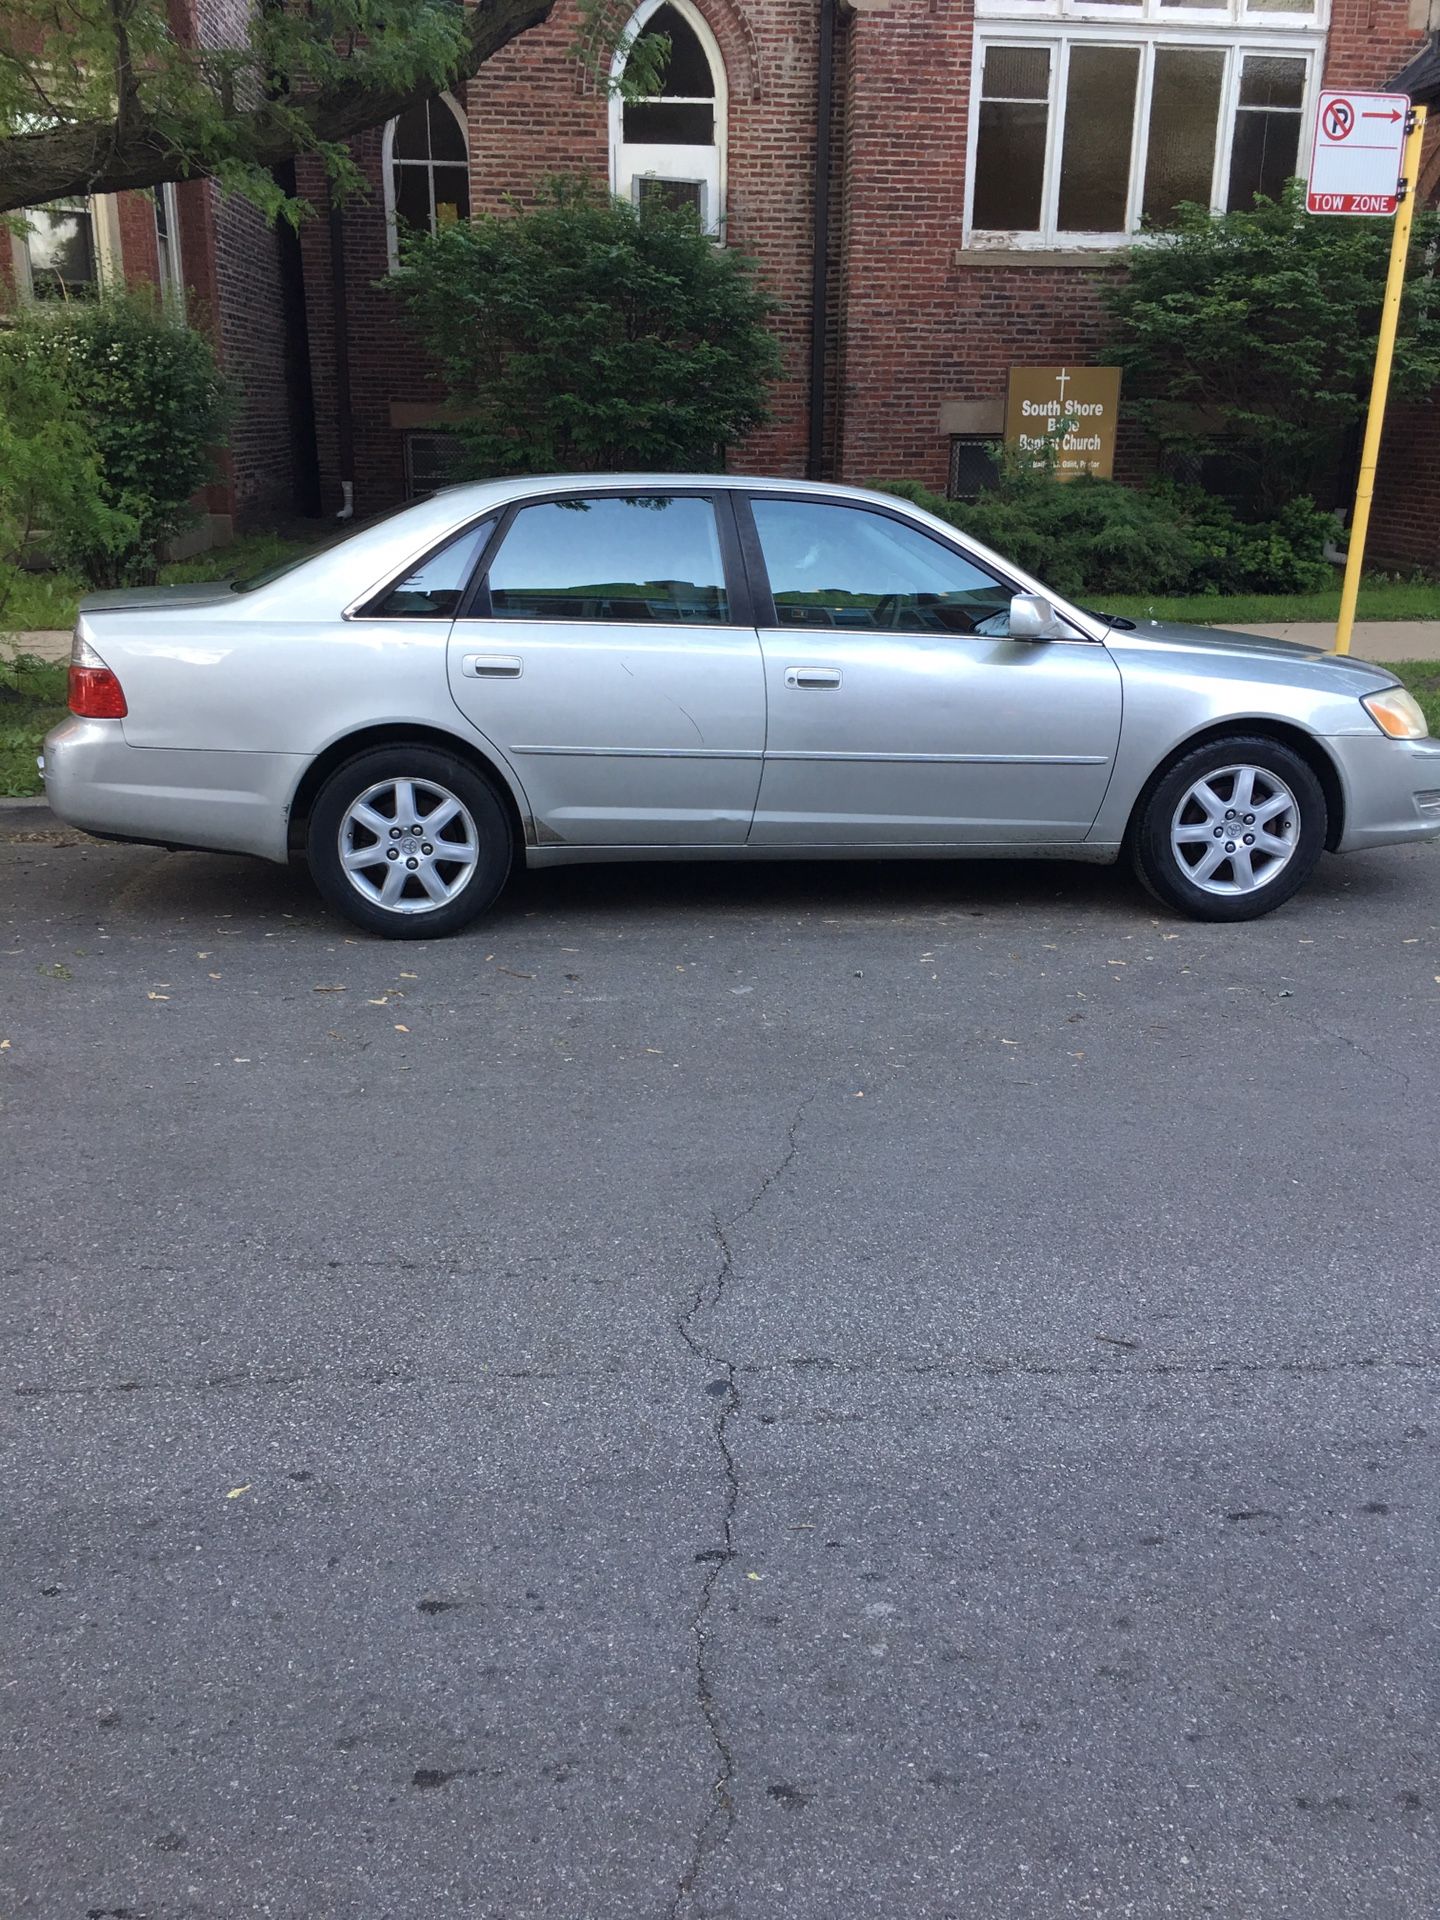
(1031, 617)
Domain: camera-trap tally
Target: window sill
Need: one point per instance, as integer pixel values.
(1010, 257)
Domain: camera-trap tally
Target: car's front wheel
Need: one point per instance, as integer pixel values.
(1231, 830)
(409, 842)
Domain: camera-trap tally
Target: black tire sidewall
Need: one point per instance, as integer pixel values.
(492, 823)
(1154, 858)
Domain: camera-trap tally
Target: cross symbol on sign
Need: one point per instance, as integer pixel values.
(1339, 119)
(1062, 380)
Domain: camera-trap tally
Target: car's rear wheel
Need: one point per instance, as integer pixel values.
(409, 842)
(1230, 831)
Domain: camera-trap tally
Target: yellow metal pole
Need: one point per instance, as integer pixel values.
(1380, 386)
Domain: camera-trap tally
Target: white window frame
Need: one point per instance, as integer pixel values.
(1027, 31)
(387, 172)
(1236, 13)
(632, 162)
(104, 235)
(171, 275)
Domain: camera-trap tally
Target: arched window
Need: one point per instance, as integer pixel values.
(672, 145)
(427, 169)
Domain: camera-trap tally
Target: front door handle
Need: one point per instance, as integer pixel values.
(812, 676)
(491, 666)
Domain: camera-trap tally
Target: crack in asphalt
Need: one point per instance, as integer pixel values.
(718, 1822)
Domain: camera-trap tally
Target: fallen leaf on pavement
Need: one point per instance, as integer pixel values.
(235, 1492)
(157, 996)
(400, 1029)
(329, 989)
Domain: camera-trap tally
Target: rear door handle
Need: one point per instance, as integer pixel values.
(812, 676)
(492, 666)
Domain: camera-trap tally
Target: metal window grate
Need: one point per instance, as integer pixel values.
(432, 460)
(972, 466)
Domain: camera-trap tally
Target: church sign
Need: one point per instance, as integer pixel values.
(1071, 410)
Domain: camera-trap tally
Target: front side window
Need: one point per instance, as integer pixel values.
(652, 558)
(1083, 137)
(836, 567)
(427, 169)
(669, 148)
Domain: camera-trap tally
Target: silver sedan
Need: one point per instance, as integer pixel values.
(677, 668)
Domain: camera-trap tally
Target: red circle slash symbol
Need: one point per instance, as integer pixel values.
(1339, 119)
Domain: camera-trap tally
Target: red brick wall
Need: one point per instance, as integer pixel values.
(230, 261)
(1367, 45)
(533, 111)
(914, 320)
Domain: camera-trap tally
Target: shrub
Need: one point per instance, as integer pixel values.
(49, 471)
(1251, 336)
(1086, 536)
(589, 334)
(153, 404)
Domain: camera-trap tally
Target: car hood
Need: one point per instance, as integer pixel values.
(1209, 647)
(194, 593)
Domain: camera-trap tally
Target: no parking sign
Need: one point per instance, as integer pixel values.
(1359, 146)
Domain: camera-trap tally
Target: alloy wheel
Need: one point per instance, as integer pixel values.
(409, 846)
(1236, 829)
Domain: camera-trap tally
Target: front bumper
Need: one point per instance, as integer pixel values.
(223, 802)
(1391, 788)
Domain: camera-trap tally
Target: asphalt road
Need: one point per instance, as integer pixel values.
(782, 1394)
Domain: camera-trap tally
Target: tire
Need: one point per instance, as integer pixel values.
(1256, 790)
(384, 799)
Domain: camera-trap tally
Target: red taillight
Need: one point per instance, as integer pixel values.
(95, 693)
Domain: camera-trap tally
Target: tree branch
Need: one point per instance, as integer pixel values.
(108, 156)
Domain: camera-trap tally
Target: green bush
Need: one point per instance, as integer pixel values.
(589, 334)
(153, 404)
(49, 473)
(1085, 537)
(1250, 336)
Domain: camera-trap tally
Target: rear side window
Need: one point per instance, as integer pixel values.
(433, 590)
(652, 558)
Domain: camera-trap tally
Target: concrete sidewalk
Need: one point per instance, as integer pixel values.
(1374, 639)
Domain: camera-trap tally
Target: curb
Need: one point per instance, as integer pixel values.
(27, 813)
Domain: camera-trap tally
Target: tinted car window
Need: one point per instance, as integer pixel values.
(652, 558)
(845, 567)
(433, 591)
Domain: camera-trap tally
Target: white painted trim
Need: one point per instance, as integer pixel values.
(709, 163)
(387, 172)
(172, 283)
(1239, 14)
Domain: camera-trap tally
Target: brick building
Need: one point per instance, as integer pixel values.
(936, 190)
(221, 265)
(979, 164)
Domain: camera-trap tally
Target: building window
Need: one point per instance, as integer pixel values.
(1081, 138)
(427, 170)
(68, 250)
(61, 251)
(669, 149)
(432, 460)
(167, 246)
(972, 465)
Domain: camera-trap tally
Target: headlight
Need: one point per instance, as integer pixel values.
(1396, 712)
